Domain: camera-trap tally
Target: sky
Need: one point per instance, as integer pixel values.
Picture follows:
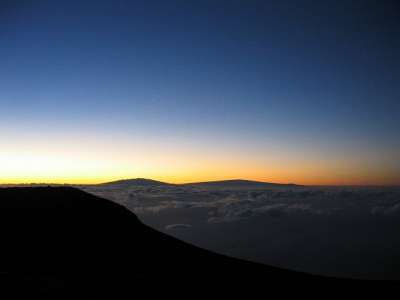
(304, 92)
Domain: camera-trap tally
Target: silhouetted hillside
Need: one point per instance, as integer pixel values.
(64, 241)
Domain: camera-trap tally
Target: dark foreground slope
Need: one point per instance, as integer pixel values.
(62, 241)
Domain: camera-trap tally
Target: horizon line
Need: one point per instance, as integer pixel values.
(196, 182)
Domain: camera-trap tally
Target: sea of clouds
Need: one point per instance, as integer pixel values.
(234, 205)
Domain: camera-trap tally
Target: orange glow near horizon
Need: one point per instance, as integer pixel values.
(182, 180)
(95, 161)
(51, 170)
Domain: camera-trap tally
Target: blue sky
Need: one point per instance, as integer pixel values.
(300, 85)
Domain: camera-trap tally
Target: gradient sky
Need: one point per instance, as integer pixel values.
(283, 91)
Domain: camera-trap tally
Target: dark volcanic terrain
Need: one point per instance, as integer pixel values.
(62, 241)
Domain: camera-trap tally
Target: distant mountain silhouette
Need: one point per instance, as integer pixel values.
(64, 242)
(136, 182)
(239, 183)
(235, 183)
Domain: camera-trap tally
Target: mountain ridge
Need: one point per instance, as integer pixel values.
(240, 182)
(227, 182)
(136, 181)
